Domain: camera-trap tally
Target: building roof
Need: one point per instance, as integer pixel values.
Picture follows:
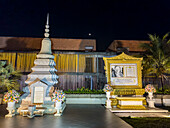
(29, 43)
(131, 45)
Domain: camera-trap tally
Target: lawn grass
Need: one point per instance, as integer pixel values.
(149, 122)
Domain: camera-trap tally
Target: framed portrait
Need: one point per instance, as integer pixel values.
(123, 74)
(123, 71)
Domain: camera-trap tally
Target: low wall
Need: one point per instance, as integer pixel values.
(85, 98)
(162, 100)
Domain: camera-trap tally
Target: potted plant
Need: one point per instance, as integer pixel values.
(8, 78)
(59, 98)
(150, 90)
(107, 88)
(11, 97)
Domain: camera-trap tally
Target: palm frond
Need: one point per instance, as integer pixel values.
(168, 42)
(165, 36)
(152, 37)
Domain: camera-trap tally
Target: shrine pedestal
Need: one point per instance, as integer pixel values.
(130, 102)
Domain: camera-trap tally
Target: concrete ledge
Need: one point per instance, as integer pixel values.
(166, 102)
(162, 99)
(148, 110)
(141, 115)
(85, 95)
(85, 98)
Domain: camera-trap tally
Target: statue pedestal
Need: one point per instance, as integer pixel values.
(151, 104)
(108, 104)
(108, 101)
(59, 108)
(58, 112)
(10, 108)
(150, 100)
(10, 113)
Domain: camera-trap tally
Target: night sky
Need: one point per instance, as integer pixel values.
(105, 20)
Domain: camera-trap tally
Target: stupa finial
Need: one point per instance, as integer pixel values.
(46, 34)
(46, 43)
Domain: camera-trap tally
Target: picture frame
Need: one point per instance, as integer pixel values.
(123, 71)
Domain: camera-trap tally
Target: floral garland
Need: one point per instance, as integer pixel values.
(11, 96)
(150, 88)
(107, 88)
(58, 95)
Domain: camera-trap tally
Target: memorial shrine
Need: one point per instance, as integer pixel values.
(41, 80)
(124, 75)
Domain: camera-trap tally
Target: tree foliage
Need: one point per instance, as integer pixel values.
(9, 78)
(157, 56)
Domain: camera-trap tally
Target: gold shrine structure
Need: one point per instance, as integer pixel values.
(124, 75)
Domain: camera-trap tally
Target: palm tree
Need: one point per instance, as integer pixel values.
(157, 57)
(9, 78)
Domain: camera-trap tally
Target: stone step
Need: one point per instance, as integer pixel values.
(44, 68)
(45, 62)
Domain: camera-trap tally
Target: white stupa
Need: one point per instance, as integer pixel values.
(42, 78)
(44, 64)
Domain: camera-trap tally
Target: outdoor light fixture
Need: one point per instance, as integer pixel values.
(89, 48)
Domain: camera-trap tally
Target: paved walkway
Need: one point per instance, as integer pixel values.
(74, 116)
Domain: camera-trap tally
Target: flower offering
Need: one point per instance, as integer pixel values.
(11, 96)
(150, 88)
(58, 95)
(107, 88)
